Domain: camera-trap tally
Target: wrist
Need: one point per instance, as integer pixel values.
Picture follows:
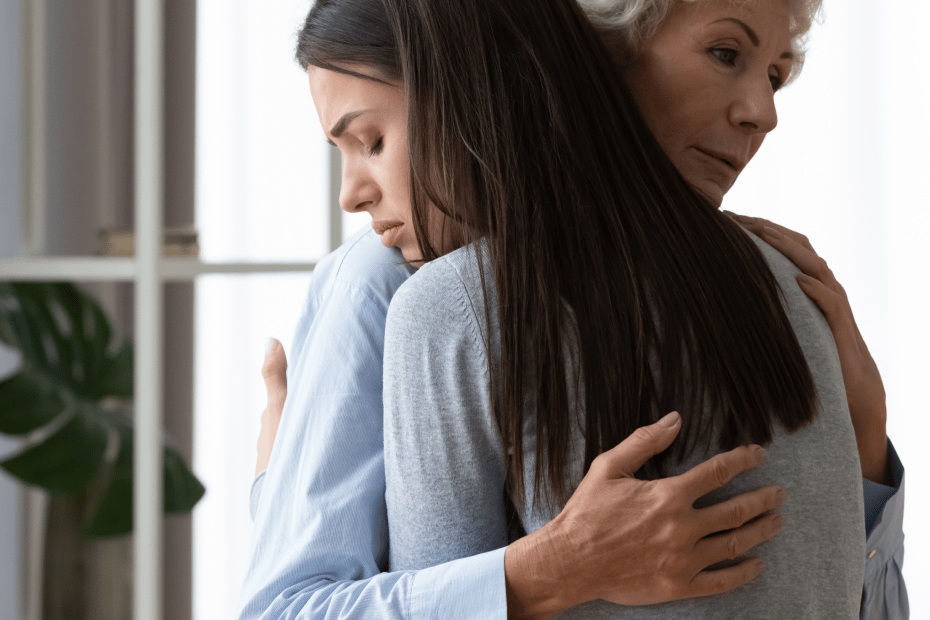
(538, 576)
(874, 459)
(873, 454)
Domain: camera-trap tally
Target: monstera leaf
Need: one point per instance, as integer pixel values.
(70, 398)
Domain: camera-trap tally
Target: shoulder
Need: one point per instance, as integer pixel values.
(443, 293)
(364, 266)
(349, 294)
(783, 269)
(810, 326)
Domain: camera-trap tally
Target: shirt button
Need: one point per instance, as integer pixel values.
(873, 553)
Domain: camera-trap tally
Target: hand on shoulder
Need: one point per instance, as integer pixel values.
(865, 391)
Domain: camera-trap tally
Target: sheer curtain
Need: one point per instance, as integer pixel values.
(843, 167)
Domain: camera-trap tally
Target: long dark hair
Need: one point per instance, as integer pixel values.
(521, 131)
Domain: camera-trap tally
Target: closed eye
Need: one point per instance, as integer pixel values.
(377, 148)
(777, 83)
(725, 55)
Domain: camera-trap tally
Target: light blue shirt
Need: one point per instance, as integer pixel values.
(320, 525)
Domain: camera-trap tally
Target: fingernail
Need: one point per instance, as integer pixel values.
(771, 232)
(745, 218)
(270, 345)
(778, 522)
(670, 420)
(781, 496)
(761, 453)
(806, 279)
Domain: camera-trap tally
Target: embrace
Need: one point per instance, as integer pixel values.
(554, 378)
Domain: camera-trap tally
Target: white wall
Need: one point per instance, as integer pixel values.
(10, 511)
(847, 166)
(10, 121)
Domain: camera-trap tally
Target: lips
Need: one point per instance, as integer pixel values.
(390, 231)
(385, 225)
(732, 161)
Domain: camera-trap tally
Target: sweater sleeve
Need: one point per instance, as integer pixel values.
(320, 528)
(443, 463)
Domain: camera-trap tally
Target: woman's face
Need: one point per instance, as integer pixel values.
(706, 83)
(367, 121)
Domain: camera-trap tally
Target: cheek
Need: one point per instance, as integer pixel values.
(660, 103)
(756, 144)
(398, 171)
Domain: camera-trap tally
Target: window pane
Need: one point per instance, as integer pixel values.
(262, 161)
(234, 317)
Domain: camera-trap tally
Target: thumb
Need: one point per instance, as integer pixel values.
(629, 455)
(274, 372)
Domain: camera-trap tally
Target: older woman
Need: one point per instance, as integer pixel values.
(307, 592)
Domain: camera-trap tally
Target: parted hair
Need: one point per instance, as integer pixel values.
(522, 132)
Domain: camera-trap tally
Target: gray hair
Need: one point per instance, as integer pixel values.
(626, 25)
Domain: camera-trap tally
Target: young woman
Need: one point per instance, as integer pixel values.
(374, 201)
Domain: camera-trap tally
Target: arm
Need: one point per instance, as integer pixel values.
(320, 538)
(884, 592)
(445, 482)
(320, 524)
(865, 391)
(320, 531)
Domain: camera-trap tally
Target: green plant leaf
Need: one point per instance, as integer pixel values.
(115, 374)
(113, 513)
(67, 460)
(182, 489)
(28, 400)
(74, 358)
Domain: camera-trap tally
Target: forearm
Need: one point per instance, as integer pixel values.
(884, 591)
(872, 442)
(536, 586)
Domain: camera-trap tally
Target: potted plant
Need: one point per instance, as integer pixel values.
(71, 402)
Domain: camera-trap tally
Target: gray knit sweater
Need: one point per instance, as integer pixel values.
(445, 467)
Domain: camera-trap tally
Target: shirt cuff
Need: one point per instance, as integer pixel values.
(876, 495)
(256, 493)
(466, 589)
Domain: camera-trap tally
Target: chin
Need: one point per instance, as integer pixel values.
(713, 192)
(411, 255)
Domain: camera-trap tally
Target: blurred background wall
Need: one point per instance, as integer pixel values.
(10, 200)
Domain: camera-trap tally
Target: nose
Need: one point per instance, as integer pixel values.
(358, 191)
(753, 109)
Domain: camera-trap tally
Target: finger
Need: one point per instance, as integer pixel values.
(806, 260)
(274, 371)
(717, 471)
(738, 511)
(849, 343)
(757, 224)
(624, 460)
(833, 305)
(735, 544)
(709, 582)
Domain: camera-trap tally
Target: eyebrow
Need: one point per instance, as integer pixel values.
(753, 37)
(343, 123)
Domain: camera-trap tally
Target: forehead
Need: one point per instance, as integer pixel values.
(336, 94)
(769, 20)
